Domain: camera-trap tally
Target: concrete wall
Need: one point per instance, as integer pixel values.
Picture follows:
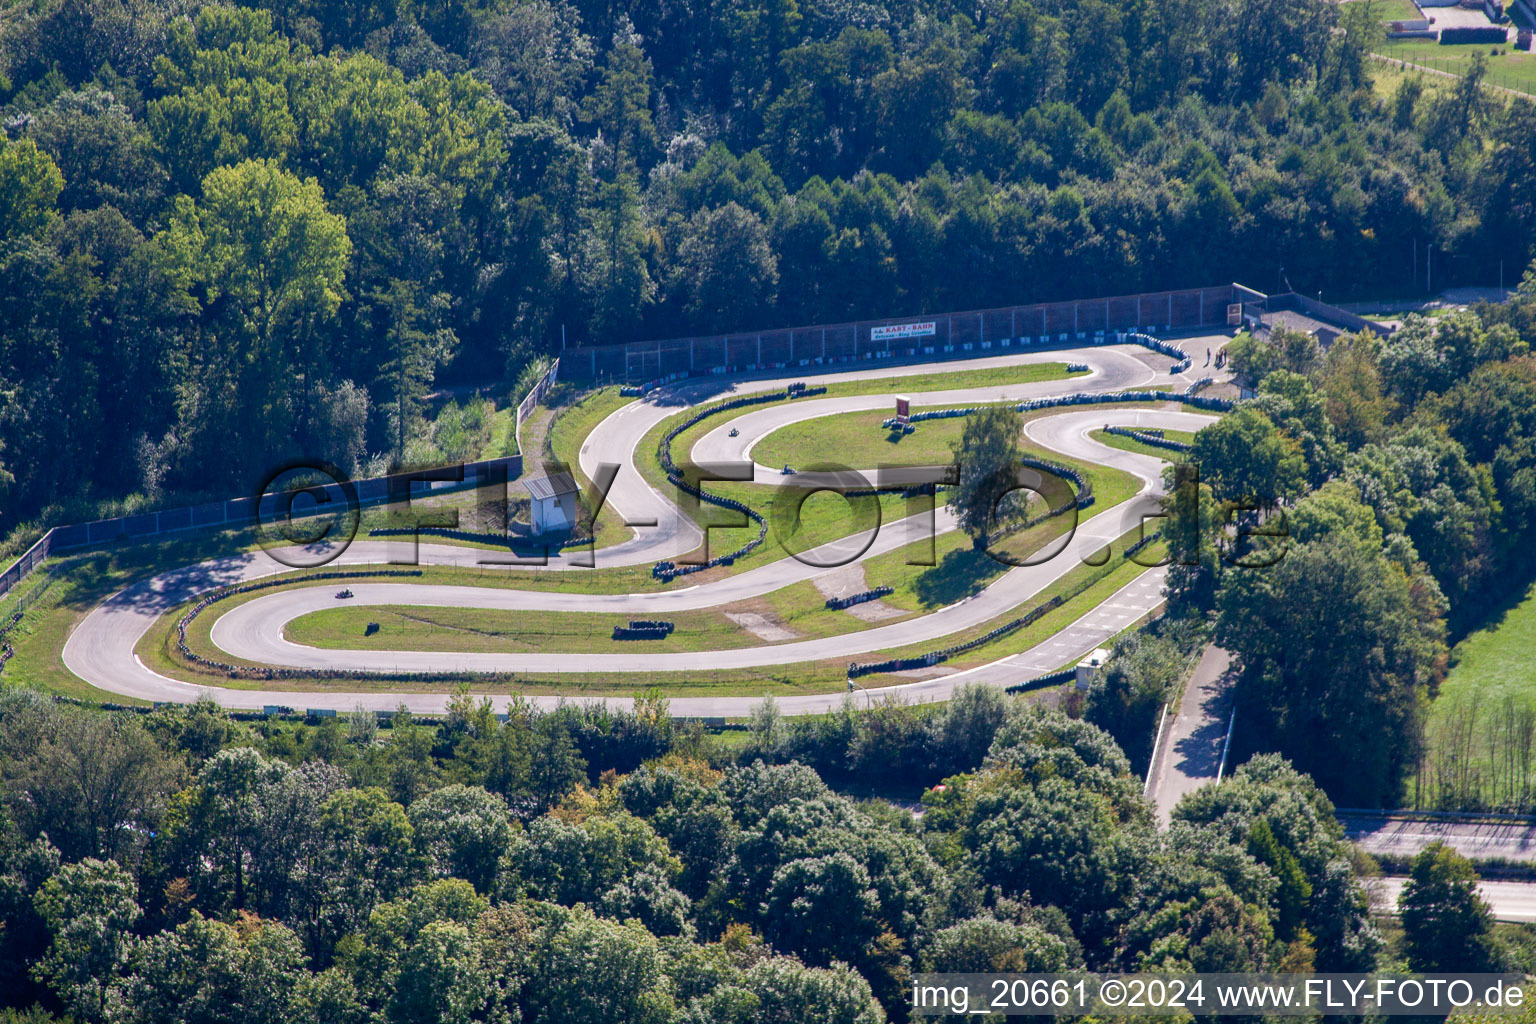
(951, 336)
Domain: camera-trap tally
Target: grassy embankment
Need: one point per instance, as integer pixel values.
(1490, 687)
(1508, 69)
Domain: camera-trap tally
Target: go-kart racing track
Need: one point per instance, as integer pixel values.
(101, 650)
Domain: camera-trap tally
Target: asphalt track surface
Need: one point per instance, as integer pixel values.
(101, 649)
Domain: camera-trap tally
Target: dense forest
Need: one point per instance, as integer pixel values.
(229, 235)
(592, 867)
(1397, 479)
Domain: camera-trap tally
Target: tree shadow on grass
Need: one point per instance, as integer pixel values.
(959, 574)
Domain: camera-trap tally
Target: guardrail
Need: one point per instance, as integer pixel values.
(855, 669)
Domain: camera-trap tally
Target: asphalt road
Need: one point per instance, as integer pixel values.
(1511, 901)
(1189, 748)
(1404, 834)
(100, 650)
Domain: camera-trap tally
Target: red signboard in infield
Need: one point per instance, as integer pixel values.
(903, 408)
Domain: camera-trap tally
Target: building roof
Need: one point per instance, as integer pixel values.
(552, 486)
(1294, 321)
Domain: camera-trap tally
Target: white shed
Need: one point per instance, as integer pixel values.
(1089, 668)
(553, 502)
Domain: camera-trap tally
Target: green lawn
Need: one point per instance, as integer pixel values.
(951, 380)
(823, 517)
(1387, 77)
(800, 610)
(858, 441)
(1393, 10)
(1510, 68)
(960, 571)
(1490, 690)
(503, 434)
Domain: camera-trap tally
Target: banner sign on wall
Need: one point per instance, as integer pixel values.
(922, 330)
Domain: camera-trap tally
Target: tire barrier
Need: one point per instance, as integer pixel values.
(1082, 483)
(855, 669)
(1082, 398)
(497, 539)
(668, 570)
(1181, 359)
(266, 673)
(1195, 387)
(1065, 675)
(944, 654)
(837, 604)
(1154, 438)
(1145, 540)
(1078, 368)
(644, 629)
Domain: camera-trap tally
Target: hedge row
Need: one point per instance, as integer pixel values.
(1154, 438)
(1474, 34)
(283, 712)
(7, 652)
(837, 604)
(262, 672)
